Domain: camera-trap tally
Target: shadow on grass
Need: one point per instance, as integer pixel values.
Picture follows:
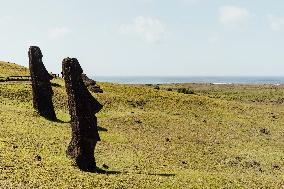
(102, 171)
(61, 121)
(107, 172)
(162, 174)
(102, 129)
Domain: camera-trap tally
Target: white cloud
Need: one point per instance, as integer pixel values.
(233, 16)
(150, 29)
(58, 32)
(276, 23)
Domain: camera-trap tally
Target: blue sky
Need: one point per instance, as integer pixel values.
(148, 37)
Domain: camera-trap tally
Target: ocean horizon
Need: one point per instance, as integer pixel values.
(277, 80)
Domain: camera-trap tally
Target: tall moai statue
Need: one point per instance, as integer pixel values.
(41, 86)
(82, 108)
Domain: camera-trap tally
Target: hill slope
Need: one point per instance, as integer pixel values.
(150, 139)
(11, 69)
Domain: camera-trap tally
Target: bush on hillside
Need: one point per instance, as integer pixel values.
(185, 91)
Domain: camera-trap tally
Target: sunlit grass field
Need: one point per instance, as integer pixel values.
(12, 69)
(219, 137)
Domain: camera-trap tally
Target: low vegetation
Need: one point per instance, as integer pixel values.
(218, 137)
(12, 69)
(185, 91)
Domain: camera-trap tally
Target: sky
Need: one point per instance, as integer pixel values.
(148, 37)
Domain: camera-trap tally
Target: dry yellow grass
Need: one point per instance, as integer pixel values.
(11, 69)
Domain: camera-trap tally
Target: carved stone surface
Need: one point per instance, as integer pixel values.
(91, 84)
(41, 86)
(82, 107)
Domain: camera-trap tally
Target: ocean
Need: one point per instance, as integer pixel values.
(190, 79)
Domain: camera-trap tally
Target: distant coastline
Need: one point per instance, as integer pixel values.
(218, 80)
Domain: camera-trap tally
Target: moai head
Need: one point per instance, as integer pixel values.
(36, 65)
(72, 69)
(73, 73)
(36, 54)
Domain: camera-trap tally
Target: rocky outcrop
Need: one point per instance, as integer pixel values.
(91, 84)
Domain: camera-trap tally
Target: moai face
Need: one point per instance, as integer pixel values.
(36, 53)
(72, 70)
(37, 65)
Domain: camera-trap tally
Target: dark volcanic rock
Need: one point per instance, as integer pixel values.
(38, 158)
(82, 107)
(95, 89)
(91, 84)
(41, 86)
(105, 166)
(265, 131)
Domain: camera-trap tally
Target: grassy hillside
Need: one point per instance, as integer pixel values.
(215, 138)
(11, 69)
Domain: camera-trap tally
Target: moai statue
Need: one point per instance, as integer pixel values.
(41, 86)
(82, 108)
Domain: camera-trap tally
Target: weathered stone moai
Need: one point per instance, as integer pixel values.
(41, 86)
(91, 84)
(82, 107)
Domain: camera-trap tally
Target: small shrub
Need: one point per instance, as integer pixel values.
(55, 85)
(157, 87)
(185, 91)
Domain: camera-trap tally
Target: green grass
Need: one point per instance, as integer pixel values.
(12, 69)
(155, 138)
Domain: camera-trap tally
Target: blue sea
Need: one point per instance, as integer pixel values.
(190, 79)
